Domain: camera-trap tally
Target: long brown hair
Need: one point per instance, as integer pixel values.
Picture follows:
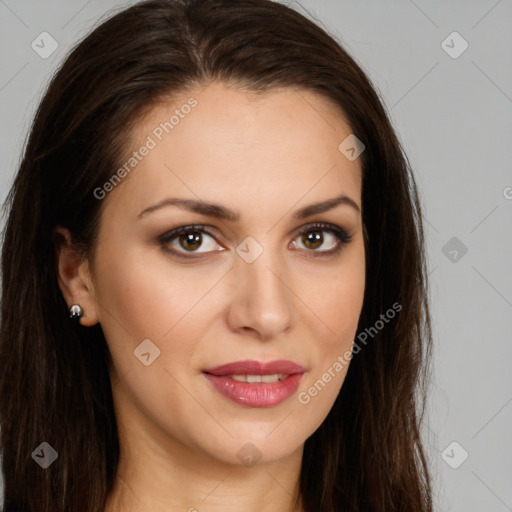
(367, 455)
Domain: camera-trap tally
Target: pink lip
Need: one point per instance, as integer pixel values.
(258, 394)
(256, 368)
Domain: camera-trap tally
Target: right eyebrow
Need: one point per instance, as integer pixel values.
(209, 209)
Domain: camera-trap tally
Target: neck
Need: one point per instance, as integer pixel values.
(159, 473)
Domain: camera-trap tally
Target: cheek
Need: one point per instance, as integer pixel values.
(337, 302)
(341, 302)
(147, 296)
(331, 361)
(143, 296)
(336, 298)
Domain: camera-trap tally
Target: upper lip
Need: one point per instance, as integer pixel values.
(256, 368)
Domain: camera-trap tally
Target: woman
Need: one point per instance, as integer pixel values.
(214, 288)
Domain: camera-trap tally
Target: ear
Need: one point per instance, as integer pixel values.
(74, 276)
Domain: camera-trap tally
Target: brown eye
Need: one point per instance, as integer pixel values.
(189, 239)
(313, 237)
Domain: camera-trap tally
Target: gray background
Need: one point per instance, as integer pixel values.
(454, 117)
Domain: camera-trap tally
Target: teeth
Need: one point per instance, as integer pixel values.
(259, 378)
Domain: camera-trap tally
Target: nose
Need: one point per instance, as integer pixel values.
(261, 301)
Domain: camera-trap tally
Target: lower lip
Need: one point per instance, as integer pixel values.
(258, 394)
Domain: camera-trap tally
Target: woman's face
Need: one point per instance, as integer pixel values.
(242, 285)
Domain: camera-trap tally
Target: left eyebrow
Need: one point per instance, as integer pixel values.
(221, 212)
(324, 206)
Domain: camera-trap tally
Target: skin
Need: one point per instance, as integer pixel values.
(265, 156)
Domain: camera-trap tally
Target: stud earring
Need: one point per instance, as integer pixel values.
(76, 312)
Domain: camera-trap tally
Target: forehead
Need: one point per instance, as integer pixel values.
(224, 144)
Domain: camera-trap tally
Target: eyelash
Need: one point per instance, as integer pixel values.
(343, 236)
